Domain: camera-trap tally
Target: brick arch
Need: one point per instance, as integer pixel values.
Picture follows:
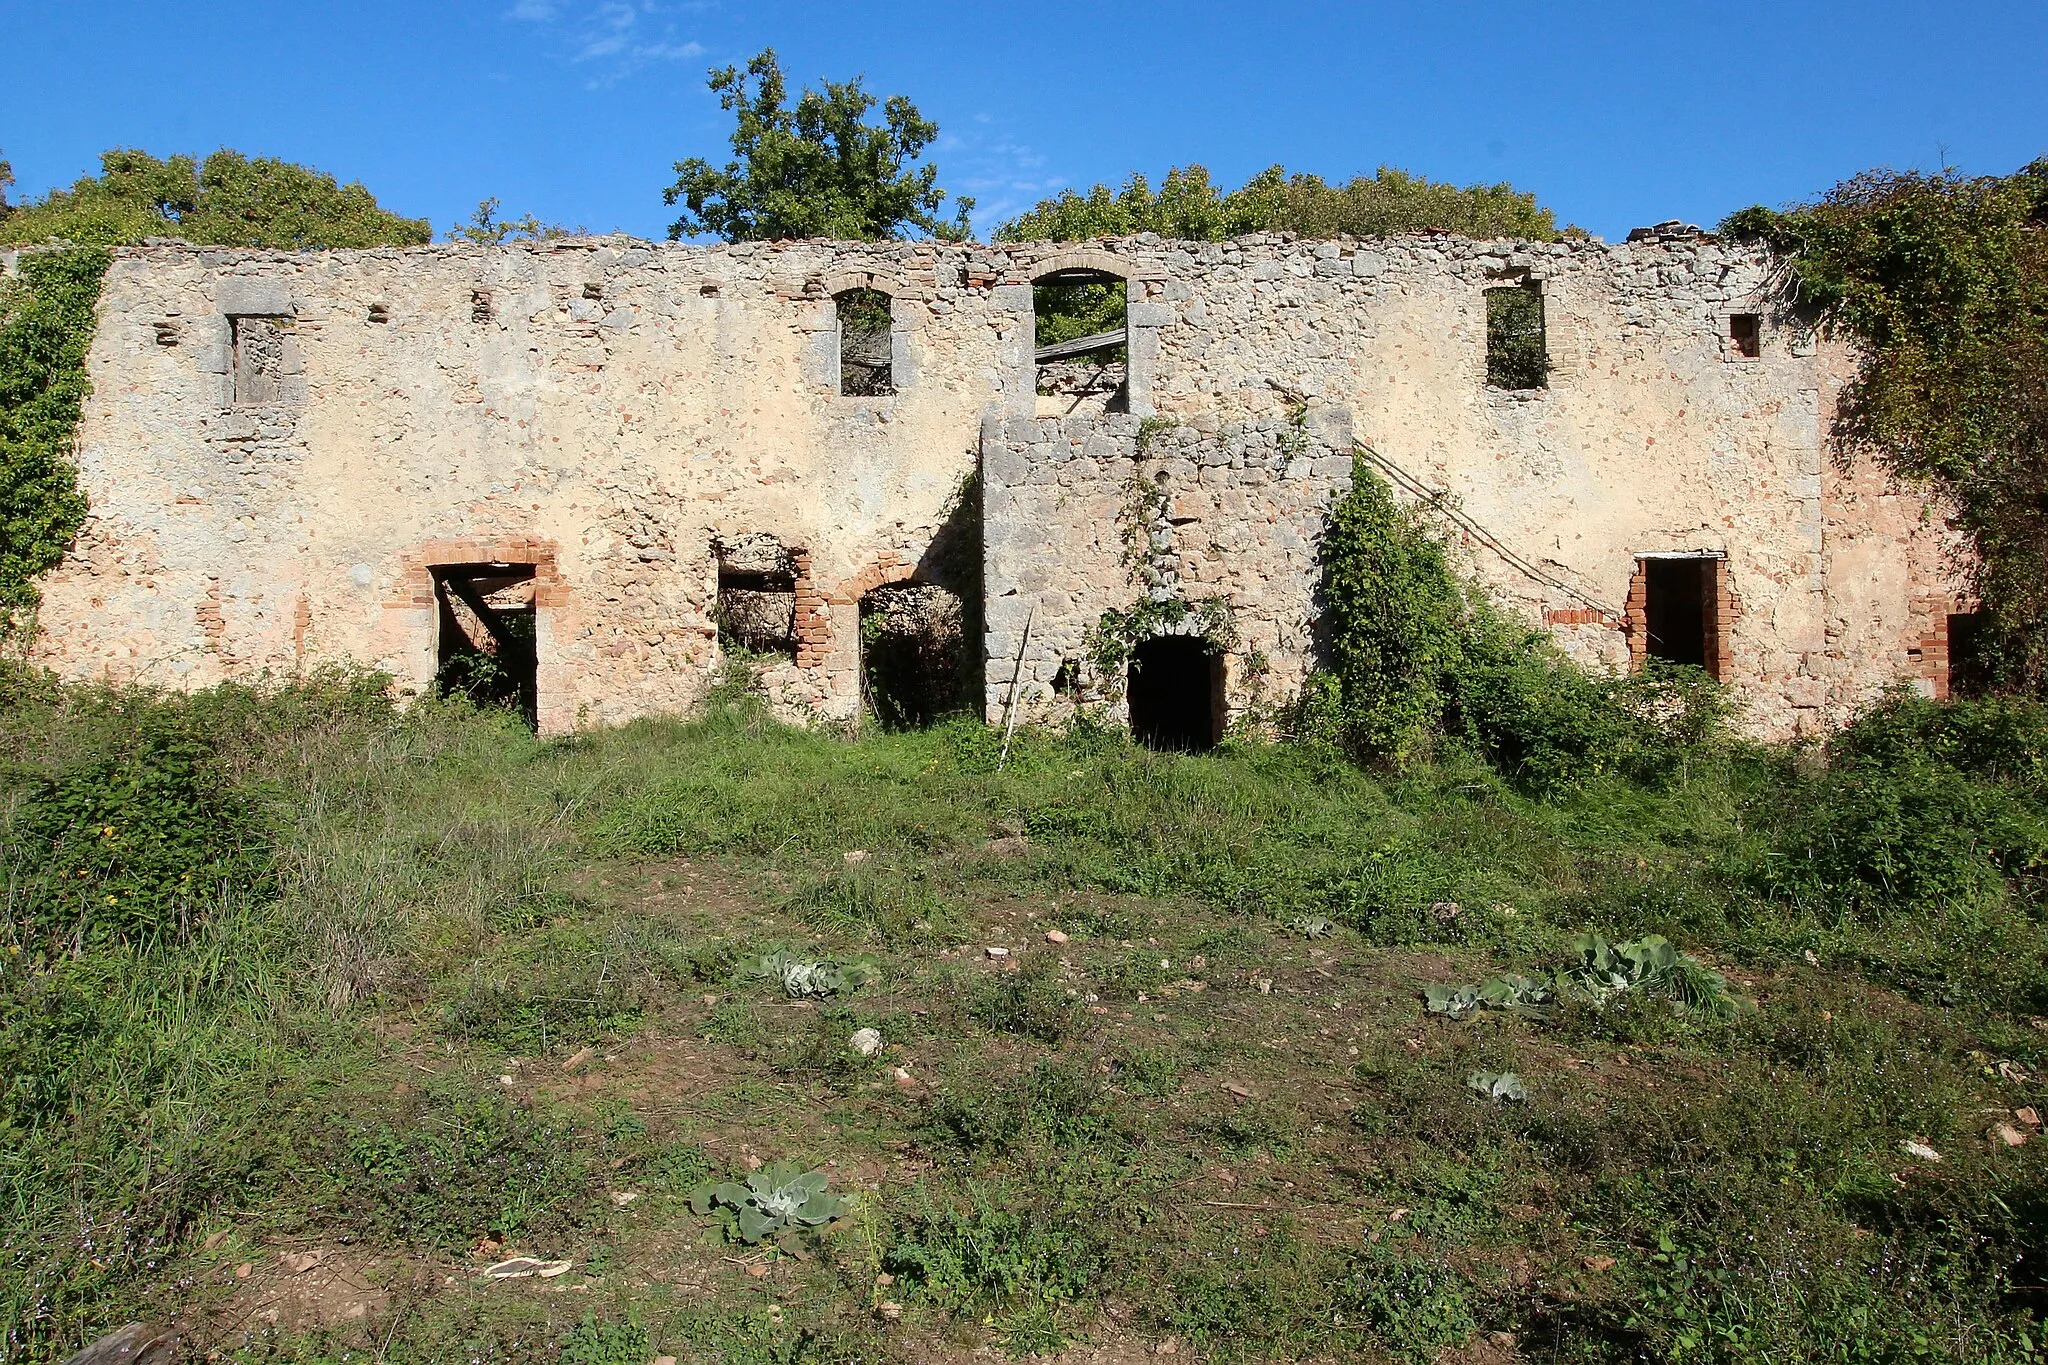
(890, 568)
(1082, 258)
(839, 281)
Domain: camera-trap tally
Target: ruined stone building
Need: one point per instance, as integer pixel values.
(583, 472)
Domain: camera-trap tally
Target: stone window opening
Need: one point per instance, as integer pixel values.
(756, 610)
(487, 647)
(1969, 670)
(1517, 349)
(912, 654)
(1175, 692)
(1746, 335)
(379, 313)
(1680, 609)
(866, 343)
(481, 306)
(1081, 342)
(259, 357)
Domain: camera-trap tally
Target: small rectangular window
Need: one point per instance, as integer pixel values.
(866, 343)
(1081, 342)
(1517, 352)
(756, 595)
(259, 343)
(1746, 335)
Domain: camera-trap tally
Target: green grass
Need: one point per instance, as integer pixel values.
(451, 992)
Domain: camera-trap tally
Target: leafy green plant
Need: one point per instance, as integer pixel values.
(1189, 205)
(819, 169)
(593, 1342)
(1032, 1001)
(1000, 1253)
(1598, 974)
(783, 1202)
(1417, 657)
(138, 844)
(1502, 1087)
(1313, 926)
(1942, 280)
(811, 978)
(226, 200)
(1416, 1305)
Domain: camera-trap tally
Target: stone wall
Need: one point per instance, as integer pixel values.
(1086, 517)
(606, 409)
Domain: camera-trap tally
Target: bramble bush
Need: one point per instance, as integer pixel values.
(1417, 658)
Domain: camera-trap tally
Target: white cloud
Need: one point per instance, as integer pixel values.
(1002, 175)
(611, 38)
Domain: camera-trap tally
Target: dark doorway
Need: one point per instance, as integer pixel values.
(487, 649)
(912, 654)
(1678, 596)
(1969, 671)
(1176, 693)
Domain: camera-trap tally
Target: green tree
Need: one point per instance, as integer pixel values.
(819, 169)
(228, 200)
(6, 180)
(486, 227)
(1189, 205)
(1942, 281)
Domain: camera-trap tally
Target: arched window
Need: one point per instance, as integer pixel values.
(866, 360)
(1082, 341)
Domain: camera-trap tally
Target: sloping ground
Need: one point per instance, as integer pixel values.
(1157, 1075)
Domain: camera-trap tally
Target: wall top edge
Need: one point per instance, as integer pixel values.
(1143, 245)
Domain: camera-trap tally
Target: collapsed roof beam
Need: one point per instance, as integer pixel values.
(1089, 345)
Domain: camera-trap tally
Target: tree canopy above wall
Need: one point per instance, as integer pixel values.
(226, 200)
(1189, 205)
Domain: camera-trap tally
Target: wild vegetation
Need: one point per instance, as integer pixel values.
(322, 1014)
(1942, 281)
(226, 200)
(1188, 204)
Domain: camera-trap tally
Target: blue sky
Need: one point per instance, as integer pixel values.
(1615, 114)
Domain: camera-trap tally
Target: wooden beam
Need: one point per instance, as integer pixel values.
(471, 598)
(1066, 350)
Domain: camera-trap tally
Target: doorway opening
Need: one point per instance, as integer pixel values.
(1969, 671)
(912, 654)
(487, 648)
(1175, 689)
(1678, 610)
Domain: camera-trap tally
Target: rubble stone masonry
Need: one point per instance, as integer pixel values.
(280, 449)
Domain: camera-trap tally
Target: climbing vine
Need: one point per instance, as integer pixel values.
(1147, 536)
(1942, 281)
(46, 327)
